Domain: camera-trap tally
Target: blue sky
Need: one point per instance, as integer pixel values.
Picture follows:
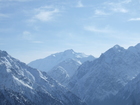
(32, 29)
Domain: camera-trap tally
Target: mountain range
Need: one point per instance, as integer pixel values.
(97, 81)
(73, 79)
(61, 66)
(23, 85)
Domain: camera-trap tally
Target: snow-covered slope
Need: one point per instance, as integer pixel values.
(96, 80)
(33, 84)
(64, 70)
(49, 62)
(130, 94)
(61, 66)
(59, 74)
(8, 97)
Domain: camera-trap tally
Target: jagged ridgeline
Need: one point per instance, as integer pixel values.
(103, 81)
(61, 66)
(111, 79)
(23, 85)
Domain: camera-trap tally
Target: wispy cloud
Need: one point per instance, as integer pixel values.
(100, 12)
(98, 30)
(126, 1)
(109, 8)
(80, 4)
(26, 35)
(117, 7)
(3, 15)
(134, 19)
(45, 14)
(37, 42)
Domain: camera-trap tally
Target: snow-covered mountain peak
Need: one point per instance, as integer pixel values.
(65, 54)
(106, 75)
(114, 50)
(112, 54)
(69, 51)
(49, 62)
(3, 53)
(35, 85)
(117, 48)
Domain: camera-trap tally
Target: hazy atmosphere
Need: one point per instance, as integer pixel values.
(70, 52)
(32, 29)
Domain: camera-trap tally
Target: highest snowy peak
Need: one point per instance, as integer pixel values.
(53, 60)
(70, 53)
(67, 53)
(61, 66)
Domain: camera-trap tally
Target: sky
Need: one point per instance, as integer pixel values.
(34, 29)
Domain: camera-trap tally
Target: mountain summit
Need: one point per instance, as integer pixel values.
(97, 80)
(49, 62)
(61, 66)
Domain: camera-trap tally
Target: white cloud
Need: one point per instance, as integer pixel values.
(119, 9)
(126, 1)
(26, 35)
(117, 6)
(80, 4)
(46, 13)
(97, 30)
(100, 12)
(3, 15)
(109, 8)
(134, 19)
(37, 42)
(43, 8)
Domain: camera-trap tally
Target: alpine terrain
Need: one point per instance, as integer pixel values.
(130, 94)
(97, 81)
(23, 85)
(61, 66)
